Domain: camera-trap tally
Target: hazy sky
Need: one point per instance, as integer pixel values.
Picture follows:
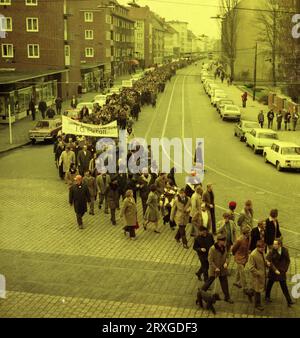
(196, 12)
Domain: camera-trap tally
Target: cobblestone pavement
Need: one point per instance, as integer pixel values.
(53, 269)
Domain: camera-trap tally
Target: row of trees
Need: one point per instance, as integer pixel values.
(274, 22)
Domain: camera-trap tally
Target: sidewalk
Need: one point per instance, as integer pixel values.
(253, 108)
(21, 127)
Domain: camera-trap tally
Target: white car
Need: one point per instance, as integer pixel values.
(220, 104)
(211, 87)
(230, 112)
(45, 130)
(207, 82)
(217, 96)
(259, 138)
(284, 155)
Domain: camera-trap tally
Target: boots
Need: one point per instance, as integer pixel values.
(249, 293)
(258, 305)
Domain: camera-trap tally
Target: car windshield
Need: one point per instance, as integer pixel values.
(226, 102)
(291, 151)
(232, 108)
(42, 124)
(251, 125)
(267, 135)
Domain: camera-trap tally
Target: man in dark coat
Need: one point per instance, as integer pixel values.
(272, 228)
(202, 244)
(42, 108)
(280, 262)
(58, 105)
(144, 188)
(257, 234)
(50, 113)
(113, 200)
(270, 117)
(79, 196)
(83, 160)
(32, 109)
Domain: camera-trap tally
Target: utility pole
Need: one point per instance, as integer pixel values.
(255, 73)
(9, 122)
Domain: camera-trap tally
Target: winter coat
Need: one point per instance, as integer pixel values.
(180, 212)
(42, 106)
(144, 187)
(203, 242)
(197, 220)
(207, 199)
(254, 238)
(79, 197)
(103, 187)
(113, 197)
(217, 259)
(240, 250)
(90, 182)
(196, 201)
(257, 267)
(245, 220)
(272, 231)
(152, 212)
(221, 228)
(129, 211)
(83, 160)
(278, 262)
(66, 158)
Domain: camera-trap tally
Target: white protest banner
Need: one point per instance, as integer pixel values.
(73, 127)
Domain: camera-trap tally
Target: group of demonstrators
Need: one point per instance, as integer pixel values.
(257, 249)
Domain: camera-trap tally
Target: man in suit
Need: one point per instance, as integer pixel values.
(272, 228)
(257, 234)
(103, 182)
(79, 197)
(83, 160)
(42, 108)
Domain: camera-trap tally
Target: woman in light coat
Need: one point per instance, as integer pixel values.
(152, 214)
(129, 212)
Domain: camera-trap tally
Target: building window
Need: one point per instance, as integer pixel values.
(5, 24)
(7, 50)
(108, 19)
(89, 34)
(33, 51)
(88, 16)
(89, 52)
(31, 2)
(5, 2)
(108, 52)
(32, 24)
(109, 35)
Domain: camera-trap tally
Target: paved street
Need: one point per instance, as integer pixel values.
(55, 270)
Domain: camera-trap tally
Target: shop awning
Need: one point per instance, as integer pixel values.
(91, 65)
(7, 77)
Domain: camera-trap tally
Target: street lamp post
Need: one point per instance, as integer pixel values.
(255, 73)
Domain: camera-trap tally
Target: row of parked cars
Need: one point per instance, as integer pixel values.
(283, 155)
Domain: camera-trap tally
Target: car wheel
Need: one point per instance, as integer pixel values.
(265, 158)
(242, 138)
(223, 118)
(254, 149)
(247, 144)
(278, 166)
(235, 134)
(33, 141)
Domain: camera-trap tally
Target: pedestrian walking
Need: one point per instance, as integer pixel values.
(244, 99)
(270, 117)
(144, 188)
(79, 197)
(67, 157)
(103, 180)
(31, 108)
(246, 216)
(279, 264)
(166, 204)
(287, 121)
(227, 228)
(83, 160)
(113, 198)
(257, 234)
(71, 174)
(217, 259)
(203, 242)
(261, 119)
(231, 211)
(42, 108)
(196, 201)
(279, 118)
(90, 182)
(272, 228)
(257, 266)
(152, 214)
(180, 214)
(295, 119)
(240, 250)
(58, 105)
(50, 113)
(171, 177)
(202, 218)
(129, 213)
(74, 102)
(209, 198)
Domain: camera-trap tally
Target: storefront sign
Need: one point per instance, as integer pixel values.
(73, 127)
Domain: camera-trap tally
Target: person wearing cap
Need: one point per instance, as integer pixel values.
(246, 216)
(257, 233)
(79, 197)
(180, 214)
(202, 244)
(280, 261)
(231, 210)
(209, 198)
(240, 250)
(217, 259)
(257, 266)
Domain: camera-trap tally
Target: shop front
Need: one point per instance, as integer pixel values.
(91, 77)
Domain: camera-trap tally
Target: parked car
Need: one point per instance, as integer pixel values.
(258, 139)
(284, 155)
(217, 96)
(243, 127)
(222, 103)
(45, 130)
(210, 88)
(230, 112)
(206, 83)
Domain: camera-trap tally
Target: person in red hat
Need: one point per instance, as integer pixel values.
(232, 206)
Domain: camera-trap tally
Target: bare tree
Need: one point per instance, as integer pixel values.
(229, 16)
